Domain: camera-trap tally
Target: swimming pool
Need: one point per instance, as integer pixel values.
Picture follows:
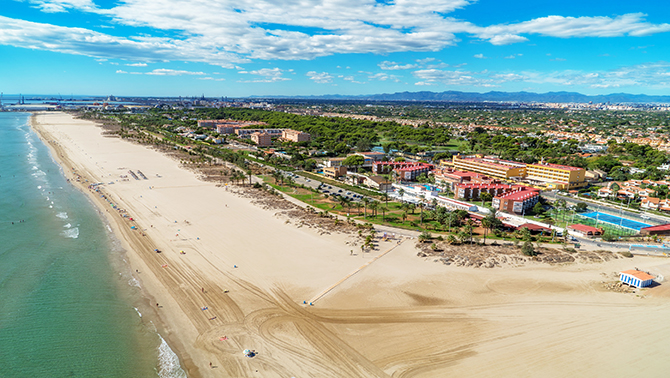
(613, 219)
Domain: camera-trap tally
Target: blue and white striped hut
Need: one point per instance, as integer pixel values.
(635, 278)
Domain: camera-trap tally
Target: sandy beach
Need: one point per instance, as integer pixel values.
(244, 273)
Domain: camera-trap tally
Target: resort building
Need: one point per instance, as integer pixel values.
(374, 155)
(261, 139)
(404, 171)
(518, 201)
(636, 278)
(226, 128)
(378, 183)
(335, 172)
(585, 230)
(381, 167)
(207, 123)
(295, 136)
(246, 133)
(561, 176)
(467, 191)
(503, 169)
(411, 173)
(333, 162)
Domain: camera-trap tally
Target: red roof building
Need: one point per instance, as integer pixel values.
(586, 230)
(636, 278)
(663, 229)
(518, 201)
(466, 191)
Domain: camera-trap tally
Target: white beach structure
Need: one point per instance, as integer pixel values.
(635, 278)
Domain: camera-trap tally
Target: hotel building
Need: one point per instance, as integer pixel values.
(517, 202)
(557, 176)
(295, 136)
(466, 191)
(261, 139)
(502, 169)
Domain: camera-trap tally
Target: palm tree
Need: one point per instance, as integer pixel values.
(373, 206)
(470, 226)
(486, 223)
(384, 209)
(404, 216)
(421, 207)
(385, 197)
(366, 201)
(401, 193)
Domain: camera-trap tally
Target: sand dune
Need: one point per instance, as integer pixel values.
(401, 316)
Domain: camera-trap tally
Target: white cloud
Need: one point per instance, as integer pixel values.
(320, 77)
(169, 72)
(136, 65)
(386, 65)
(632, 24)
(121, 72)
(60, 6)
(268, 75)
(210, 78)
(384, 77)
(479, 56)
(227, 33)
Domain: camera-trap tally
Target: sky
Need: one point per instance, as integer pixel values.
(314, 47)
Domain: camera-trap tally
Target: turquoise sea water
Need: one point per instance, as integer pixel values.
(68, 304)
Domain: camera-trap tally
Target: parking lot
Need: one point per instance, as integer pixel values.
(331, 190)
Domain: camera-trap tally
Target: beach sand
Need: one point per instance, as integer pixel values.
(400, 316)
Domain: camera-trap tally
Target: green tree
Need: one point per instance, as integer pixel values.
(581, 207)
(538, 209)
(485, 197)
(353, 161)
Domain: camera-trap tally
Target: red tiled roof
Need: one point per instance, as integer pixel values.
(642, 276)
(533, 227)
(662, 227)
(482, 186)
(519, 195)
(583, 228)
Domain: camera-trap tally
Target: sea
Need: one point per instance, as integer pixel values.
(69, 303)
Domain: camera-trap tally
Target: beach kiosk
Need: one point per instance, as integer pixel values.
(635, 278)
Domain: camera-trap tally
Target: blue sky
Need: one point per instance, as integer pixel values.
(312, 47)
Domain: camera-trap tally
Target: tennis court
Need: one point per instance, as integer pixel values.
(613, 219)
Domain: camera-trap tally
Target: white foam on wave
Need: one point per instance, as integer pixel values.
(62, 215)
(168, 362)
(68, 226)
(138, 312)
(72, 233)
(134, 282)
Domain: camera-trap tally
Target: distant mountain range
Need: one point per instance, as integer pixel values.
(456, 96)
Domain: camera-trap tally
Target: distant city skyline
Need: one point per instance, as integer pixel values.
(351, 47)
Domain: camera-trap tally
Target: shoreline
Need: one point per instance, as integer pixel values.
(123, 238)
(246, 270)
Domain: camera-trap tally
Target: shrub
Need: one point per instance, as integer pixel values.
(528, 249)
(626, 254)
